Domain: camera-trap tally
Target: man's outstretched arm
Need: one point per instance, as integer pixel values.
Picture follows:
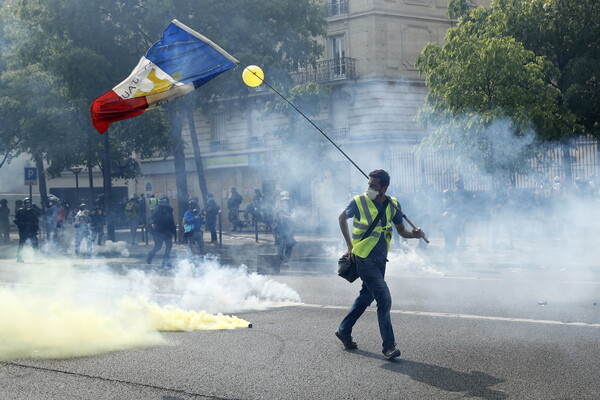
(342, 219)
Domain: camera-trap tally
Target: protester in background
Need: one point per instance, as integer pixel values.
(211, 211)
(50, 217)
(449, 224)
(142, 203)
(192, 227)
(462, 209)
(258, 201)
(81, 223)
(163, 230)
(233, 205)
(62, 213)
(250, 212)
(370, 254)
(284, 228)
(582, 189)
(132, 213)
(27, 220)
(152, 203)
(97, 221)
(4, 223)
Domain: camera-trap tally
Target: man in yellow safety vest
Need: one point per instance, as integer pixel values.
(370, 253)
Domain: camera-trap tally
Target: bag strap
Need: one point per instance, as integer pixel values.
(376, 220)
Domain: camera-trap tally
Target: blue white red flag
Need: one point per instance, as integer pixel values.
(176, 65)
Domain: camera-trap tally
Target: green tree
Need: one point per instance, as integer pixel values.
(567, 33)
(459, 8)
(84, 60)
(481, 76)
(87, 47)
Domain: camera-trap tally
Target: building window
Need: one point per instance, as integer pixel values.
(217, 127)
(339, 113)
(337, 7)
(337, 52)
(255, 123)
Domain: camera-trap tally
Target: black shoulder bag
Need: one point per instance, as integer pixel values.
(347, 267)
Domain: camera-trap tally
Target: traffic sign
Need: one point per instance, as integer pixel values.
(148, 187)
(31, 176)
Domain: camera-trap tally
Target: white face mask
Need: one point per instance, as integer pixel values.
(371, 193)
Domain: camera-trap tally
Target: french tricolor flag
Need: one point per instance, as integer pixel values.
(176, 65)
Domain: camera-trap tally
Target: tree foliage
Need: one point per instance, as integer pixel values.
(524, 62)
(81, 49)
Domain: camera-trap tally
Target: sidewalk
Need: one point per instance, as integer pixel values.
(319, 254)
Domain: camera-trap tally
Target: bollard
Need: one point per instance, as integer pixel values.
(256, 230)
(220, 229)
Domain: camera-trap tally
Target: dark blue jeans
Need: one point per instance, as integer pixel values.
(159, 239)
(372, 273)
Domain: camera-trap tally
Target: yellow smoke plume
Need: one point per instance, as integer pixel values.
(57, 319)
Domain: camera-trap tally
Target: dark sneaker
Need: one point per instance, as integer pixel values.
(347, 341)
(391, 353)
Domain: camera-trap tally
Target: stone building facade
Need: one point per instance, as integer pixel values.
(368, 63)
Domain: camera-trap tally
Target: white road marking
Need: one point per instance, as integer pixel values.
(464, 316)
(405, 312)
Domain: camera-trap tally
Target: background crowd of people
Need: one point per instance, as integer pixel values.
(457, 214)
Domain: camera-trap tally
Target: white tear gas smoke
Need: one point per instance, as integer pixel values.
(530, 227)
(59, 310)
(218, 289)
(110, 247)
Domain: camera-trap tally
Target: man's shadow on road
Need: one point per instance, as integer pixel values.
(476, 383)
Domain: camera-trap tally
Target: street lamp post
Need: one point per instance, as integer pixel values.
(76, 171)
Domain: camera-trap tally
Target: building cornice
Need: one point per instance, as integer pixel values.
(385, 13)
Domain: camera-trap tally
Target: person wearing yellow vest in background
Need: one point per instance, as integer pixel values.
(152, 203)
(370, 254)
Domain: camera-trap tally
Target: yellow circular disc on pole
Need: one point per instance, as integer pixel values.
(253, 75)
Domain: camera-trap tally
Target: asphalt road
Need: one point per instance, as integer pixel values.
(515, 334)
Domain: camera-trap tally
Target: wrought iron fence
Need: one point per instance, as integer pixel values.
(338, 134)
(255, 141)
(327, 71)
(411, 169)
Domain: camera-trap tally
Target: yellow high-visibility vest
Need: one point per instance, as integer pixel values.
(367, 213)
(153, 203)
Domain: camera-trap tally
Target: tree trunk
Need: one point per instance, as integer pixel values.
(197, 154)
(175, 127)
(108, 203)
(90, 166)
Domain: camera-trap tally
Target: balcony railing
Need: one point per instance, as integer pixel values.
(337, 7)
(254, 142)
(338, 134)
(218, 145)
(327, 71)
